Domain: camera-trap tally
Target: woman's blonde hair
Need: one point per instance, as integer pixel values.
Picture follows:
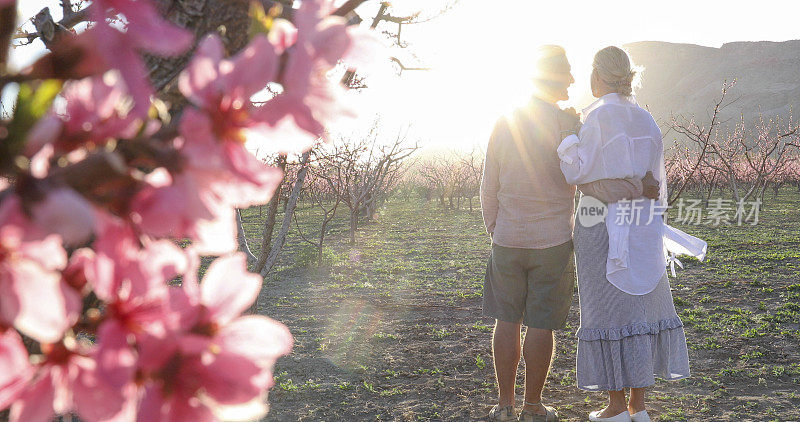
(614, 67)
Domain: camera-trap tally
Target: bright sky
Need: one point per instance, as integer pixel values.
(480, 52)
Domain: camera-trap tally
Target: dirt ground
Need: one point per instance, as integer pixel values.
(391, 329)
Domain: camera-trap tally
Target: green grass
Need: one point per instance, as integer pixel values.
(399, 314)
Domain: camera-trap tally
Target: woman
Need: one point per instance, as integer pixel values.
(629, 330)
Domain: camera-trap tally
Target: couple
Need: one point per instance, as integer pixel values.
(629, 330)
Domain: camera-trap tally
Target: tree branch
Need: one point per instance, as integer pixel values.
(8, 16)
(348, 6)
(47, 28)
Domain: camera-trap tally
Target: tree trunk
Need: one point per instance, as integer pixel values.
(227, 18)
(353, 225)
(275, 251)
(328, 216)
(708, 196)
(735, 190)
(243, 239)
(269, 225)
(321, 242)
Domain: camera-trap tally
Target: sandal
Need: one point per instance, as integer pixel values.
(502, 414)
(528, 416)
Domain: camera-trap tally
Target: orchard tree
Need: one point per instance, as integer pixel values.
(363, 170)
(747, 156)
(322, 194)
(698, 137)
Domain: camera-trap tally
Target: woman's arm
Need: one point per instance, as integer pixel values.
(576, 153)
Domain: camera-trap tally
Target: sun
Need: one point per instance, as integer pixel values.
(481, 58)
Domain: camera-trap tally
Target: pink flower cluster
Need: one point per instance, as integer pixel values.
(101, 314)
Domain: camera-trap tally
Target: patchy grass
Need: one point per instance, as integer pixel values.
(391, 328)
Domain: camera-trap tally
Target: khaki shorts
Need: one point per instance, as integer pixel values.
(532, 287)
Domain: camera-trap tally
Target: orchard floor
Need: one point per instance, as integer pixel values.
(391, 329)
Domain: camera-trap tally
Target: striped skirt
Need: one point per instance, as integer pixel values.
(624, 341)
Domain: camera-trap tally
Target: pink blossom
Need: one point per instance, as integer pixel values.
(15, 369)
(96, 111)
(310, 98)
(224, 165)
(4, 3)
(175, 353)
(191, 387)
(34, 298)
(65, 213)
(147, 28)
(132, 281)
(217, 172)
(72, 57)
(68, 381)
(132, 278)
(75, 275)
(146, 31)
(221, 89)
(189, 206)
(229, 356)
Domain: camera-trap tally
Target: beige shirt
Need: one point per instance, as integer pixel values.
(526, 201)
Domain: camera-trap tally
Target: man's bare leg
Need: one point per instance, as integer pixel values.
(506, 352)
(538, 352)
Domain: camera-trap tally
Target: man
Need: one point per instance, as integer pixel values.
(528, 211)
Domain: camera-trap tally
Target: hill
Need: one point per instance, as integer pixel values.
(687, 79)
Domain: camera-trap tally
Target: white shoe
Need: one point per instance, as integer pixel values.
(640, 417)
(622, 417)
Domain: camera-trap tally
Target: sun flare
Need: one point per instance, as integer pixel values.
(480, 62)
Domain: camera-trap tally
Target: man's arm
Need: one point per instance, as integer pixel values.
(613, 190)
(650, 186)
(490, 180)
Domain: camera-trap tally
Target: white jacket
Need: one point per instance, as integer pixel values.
(619, 139)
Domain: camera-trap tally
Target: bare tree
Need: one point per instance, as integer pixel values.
(363, 171)
(437, 174)
(699, 136)
(746, 157)
(451, 176)
(275, 250)
(272, 214)
(767, 153)
(323, 196)
(472, 167)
